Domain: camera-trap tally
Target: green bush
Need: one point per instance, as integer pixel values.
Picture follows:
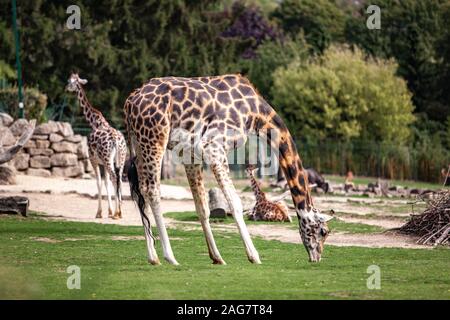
(344, 95)
(35, 102)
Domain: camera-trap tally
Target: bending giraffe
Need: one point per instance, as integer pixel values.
(264, 209)
(204, 118)
(107, 148)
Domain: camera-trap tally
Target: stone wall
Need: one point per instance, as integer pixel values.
(53, 150)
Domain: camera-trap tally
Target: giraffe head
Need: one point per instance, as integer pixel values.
(313, 231)
(74, 82)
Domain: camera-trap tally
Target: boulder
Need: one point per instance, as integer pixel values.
(21, 161)
(40, 162)
(7, 175)
(39, 172)
(39, 137)
(6, 137)
(18, 127)
(42, 152)
(87, 166)
(82, 149)
(5, 119)
(65, 129)
(46, 128)
(42, 144)
(64, 160)
(75, 139)
(55, 137)
(74, 171)
(30, 144)
(64, 146)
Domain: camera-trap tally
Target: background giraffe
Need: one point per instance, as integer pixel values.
(203, 118)
(107, 148)
(264, 209)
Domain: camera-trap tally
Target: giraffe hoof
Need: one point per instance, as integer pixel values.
(172, 261)
(219, 261)
(254, 260)
(116, 217)
(154, 262)
(110, 214)
(99, 215)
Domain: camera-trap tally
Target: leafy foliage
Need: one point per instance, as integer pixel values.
(320, 20)
(344, 95)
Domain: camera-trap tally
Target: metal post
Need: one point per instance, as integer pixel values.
(18, 65)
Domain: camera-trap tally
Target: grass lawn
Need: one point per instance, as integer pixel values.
(112, 269)
(335, 224)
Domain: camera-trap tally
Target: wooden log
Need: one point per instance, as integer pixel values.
(14, 205)
(218, 205)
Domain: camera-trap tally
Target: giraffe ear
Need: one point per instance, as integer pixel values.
(82, 81)
(324, 217)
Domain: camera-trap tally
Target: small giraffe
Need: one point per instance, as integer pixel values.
(204, 118)
(107, 148)
(264, 209)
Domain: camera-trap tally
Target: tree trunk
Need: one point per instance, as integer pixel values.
(14, 205)
(218, 205)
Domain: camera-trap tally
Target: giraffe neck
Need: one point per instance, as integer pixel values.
(93, 116)
(273, 127)
(259, 195)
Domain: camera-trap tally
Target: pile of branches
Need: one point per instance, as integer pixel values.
(432, 225)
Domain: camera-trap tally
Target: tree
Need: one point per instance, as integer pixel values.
(344, 95)
(411, 32)
(321, 21)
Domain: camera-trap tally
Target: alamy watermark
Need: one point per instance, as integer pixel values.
(74, 280)
(374, 20)
(73, 22)
(374, 280)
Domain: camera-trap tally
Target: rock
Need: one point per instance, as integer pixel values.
(7, 175)
(65, 129)
(5, 119)
(6, 137)
(39, 172)
(64, 160)
(54, 137)
(87, 166)
(46, 128)
(30, 144)
(42, 144)
(39, 137)
(21, 161)
(39, 162)
(64, 146)
(42, 152)
(75, 139)
(82, 149)
(14, 205)
(74, 171)
(18, 127)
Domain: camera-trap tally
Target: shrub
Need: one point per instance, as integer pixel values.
(344, 95)
(35, 102)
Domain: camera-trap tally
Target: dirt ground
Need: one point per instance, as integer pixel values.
(74, 200)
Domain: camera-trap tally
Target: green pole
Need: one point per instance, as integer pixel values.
(18, 65)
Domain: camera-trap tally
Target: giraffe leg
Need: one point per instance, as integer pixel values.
(152, 255)
(195, 178)
(221, 173)
(98, 177)
(108, 192)
(117, 200)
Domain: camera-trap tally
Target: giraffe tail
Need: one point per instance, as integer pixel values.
(117, 171)
(138, 198)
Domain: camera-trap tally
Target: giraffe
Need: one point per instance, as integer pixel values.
(205, 117)
(265, 209)
(107, 148)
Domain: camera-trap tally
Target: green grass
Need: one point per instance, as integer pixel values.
(118, 269)
(335, 224)
(405, 183)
